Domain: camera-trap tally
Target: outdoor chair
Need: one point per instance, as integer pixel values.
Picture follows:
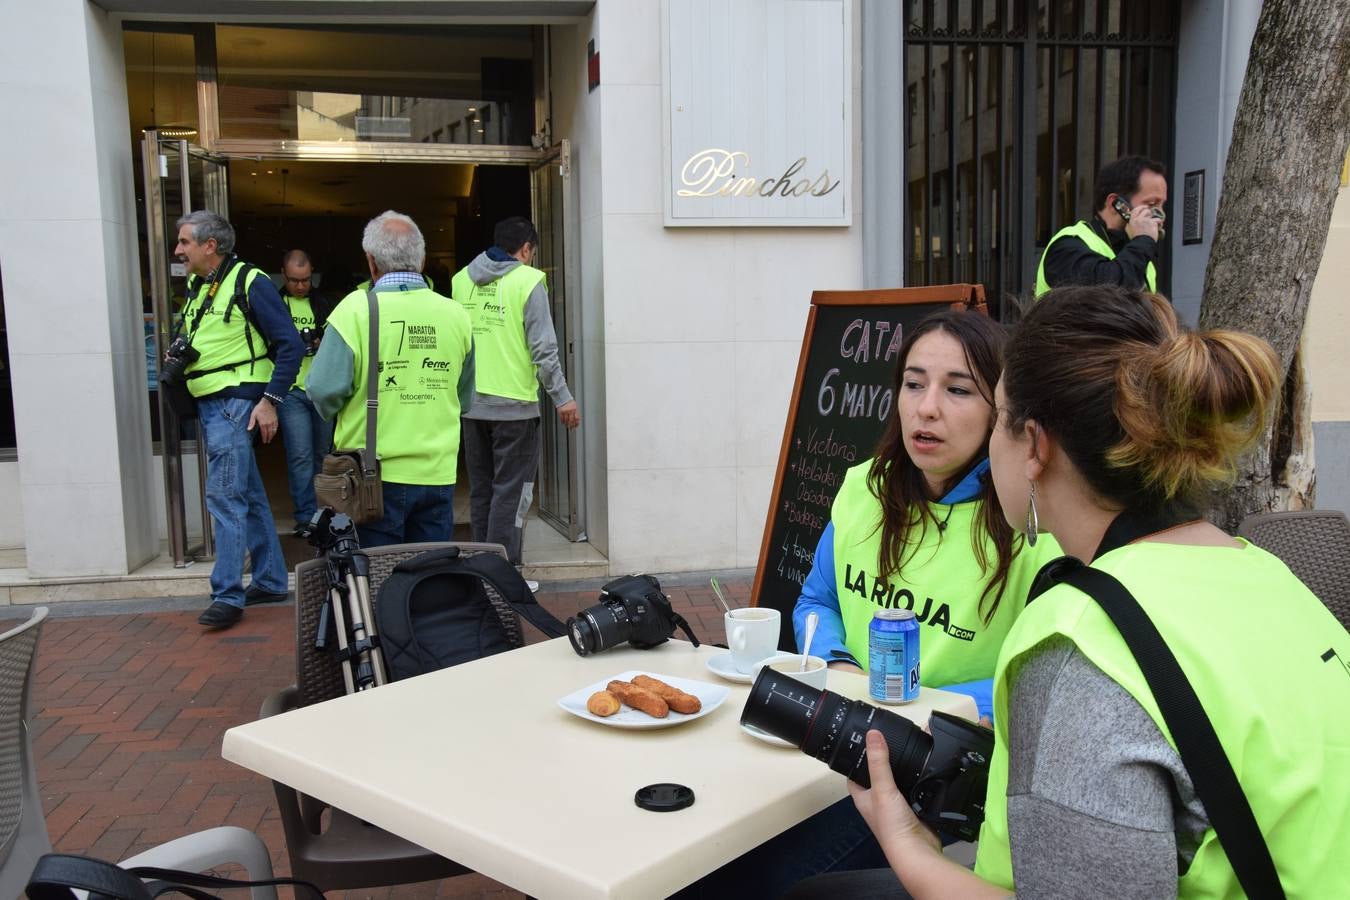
(23, 828)
(350, 854)
(1315, 545)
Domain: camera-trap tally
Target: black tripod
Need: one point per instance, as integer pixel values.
(334, 536)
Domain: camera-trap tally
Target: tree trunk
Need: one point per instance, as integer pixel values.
(1279, 186)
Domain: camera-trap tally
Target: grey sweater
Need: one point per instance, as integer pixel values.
(1099, 804)
(538, 336)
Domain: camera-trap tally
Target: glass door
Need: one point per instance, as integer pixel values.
(178, 179)
(559, 484)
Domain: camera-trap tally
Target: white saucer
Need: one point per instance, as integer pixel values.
(766, 737)
(721, 666)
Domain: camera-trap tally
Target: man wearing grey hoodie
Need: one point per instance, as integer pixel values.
(516, 351)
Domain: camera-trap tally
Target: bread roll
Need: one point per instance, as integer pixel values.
(640, 699)
(602, 703)
(678, 700)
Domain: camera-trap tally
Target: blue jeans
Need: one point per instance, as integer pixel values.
(238, 503)
(307, 437)
(413, 514)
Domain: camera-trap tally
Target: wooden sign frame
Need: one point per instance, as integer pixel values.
(960, 296)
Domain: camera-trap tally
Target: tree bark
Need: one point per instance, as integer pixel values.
(1290, 137)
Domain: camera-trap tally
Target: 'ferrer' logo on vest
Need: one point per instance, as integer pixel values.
(712, 173)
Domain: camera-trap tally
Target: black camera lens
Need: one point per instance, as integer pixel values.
(602, 626)
(833, 729)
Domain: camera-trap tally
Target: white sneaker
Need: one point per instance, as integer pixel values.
(532, 585)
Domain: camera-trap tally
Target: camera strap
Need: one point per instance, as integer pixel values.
(1197, 743)
(684, 626)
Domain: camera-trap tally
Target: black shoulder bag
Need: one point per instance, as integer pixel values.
(1197, 743)
(433, 611)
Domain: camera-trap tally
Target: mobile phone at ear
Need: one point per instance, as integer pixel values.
(1121, 206)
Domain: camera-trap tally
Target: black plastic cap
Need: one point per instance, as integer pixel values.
(664, 797)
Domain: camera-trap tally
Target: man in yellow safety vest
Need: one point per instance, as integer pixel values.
(1119, 244)
(516, 351)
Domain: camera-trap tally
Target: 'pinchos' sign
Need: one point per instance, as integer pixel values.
(722, 173)
(757, 133)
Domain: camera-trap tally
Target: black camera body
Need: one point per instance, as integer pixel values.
(632, 609)
(944, 775)
(311, 338)
(177, 357)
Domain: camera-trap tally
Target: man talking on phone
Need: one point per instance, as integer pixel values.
(1119, 244)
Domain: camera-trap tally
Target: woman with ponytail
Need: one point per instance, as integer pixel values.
(1113, 424)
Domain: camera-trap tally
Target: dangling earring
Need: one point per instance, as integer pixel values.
(1033, 523)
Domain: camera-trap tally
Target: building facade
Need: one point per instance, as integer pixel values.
(697, 169)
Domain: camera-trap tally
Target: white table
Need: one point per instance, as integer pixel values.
(479, 764)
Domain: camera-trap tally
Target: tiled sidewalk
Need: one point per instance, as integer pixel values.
(129, 710)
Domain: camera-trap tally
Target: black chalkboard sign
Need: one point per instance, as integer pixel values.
(836, 415)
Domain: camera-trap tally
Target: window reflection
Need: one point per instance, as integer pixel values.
(347, 83)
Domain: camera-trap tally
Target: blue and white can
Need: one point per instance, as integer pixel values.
(893, 656)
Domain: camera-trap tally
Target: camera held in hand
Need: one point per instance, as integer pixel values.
(311, 337)
(944, 776)
(631, 608)
(177, 357)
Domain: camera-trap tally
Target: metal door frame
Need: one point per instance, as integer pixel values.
(570, 524)
(216, 198)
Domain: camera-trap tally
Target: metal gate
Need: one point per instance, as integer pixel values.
(1011, 107)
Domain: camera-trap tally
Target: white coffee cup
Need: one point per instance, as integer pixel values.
(790, 664)
(752, 634)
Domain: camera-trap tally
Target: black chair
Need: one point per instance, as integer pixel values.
(349, 854)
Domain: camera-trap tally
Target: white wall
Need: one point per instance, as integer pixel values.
(72, 301)
(11, 510)
(702, 329)
(1325, 336)
(576, 116)
(1326, 332)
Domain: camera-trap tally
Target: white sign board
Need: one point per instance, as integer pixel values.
(758, 112)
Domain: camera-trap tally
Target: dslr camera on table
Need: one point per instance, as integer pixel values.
(632, 609)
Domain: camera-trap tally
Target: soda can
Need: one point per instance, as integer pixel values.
(893, 656)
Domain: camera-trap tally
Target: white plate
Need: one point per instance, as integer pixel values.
(720, 665)
(710, 695)
(766, 737)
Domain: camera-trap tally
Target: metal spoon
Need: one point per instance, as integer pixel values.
(717, 589)
(811, 620)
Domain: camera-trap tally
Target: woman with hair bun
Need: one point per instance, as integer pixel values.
(1113, 424)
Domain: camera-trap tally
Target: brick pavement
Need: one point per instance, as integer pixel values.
(129, 710)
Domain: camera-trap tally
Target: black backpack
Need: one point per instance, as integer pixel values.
(434, 611)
